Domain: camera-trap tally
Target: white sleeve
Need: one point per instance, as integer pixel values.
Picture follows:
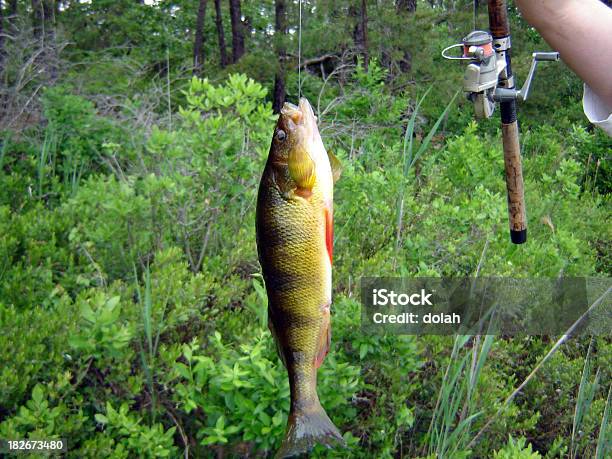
(596, 110)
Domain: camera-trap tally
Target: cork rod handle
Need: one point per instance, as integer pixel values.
(514, 183)
(500, 29)
(498, 18)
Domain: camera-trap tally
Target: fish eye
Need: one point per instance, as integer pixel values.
(281, 135)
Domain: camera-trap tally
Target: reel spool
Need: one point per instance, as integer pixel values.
(482, 73)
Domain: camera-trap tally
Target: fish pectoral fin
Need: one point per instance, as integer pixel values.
(324, 339)
(336, 166)
(302, 171)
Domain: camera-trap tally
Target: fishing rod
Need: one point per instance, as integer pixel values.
(488, 81)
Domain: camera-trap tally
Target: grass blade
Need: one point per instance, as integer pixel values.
(539, 365)
(603, 440)
(579, 410)
(409, 160)
(426, 141)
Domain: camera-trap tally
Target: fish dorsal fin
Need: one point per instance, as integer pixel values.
(336, 166)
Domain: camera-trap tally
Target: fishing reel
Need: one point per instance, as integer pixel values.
(485, 80)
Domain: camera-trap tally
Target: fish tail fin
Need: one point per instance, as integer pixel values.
(306, 428)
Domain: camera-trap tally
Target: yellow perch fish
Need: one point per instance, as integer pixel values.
(294, 242)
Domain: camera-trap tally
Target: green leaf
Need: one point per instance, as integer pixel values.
(38, 394)
(363, 350)
(220, 424)
(87, 313)
(209, 440)
(182, 370)
(112, 302)
(277, 419)
(79, 342)
(187, 352)
(265, 418)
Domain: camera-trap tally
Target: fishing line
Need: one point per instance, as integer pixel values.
(300, 52)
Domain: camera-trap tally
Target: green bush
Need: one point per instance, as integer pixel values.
(132, 312)
(515, 449)
(243, 391)
(33, 348)
(133, 438)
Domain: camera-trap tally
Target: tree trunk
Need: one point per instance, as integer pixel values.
(1, 44)
(43, 23)
(354, 23)
(12, 11)
(12, 7)
(48, 8)
(406, 5)
(333, 9)
(237, 30)
(360, 30)
(220, 34)
(280, 27)
(364, 33)
(37, 18)
(198, 43)
(403, 7)
(3, 95)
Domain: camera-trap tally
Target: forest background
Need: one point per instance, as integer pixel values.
(132, 312)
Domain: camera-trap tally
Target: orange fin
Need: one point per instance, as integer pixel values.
(329, 232)
(275, 335)
(324, 339)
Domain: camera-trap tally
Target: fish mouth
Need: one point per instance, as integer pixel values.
(301, 115)
(307, 112)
